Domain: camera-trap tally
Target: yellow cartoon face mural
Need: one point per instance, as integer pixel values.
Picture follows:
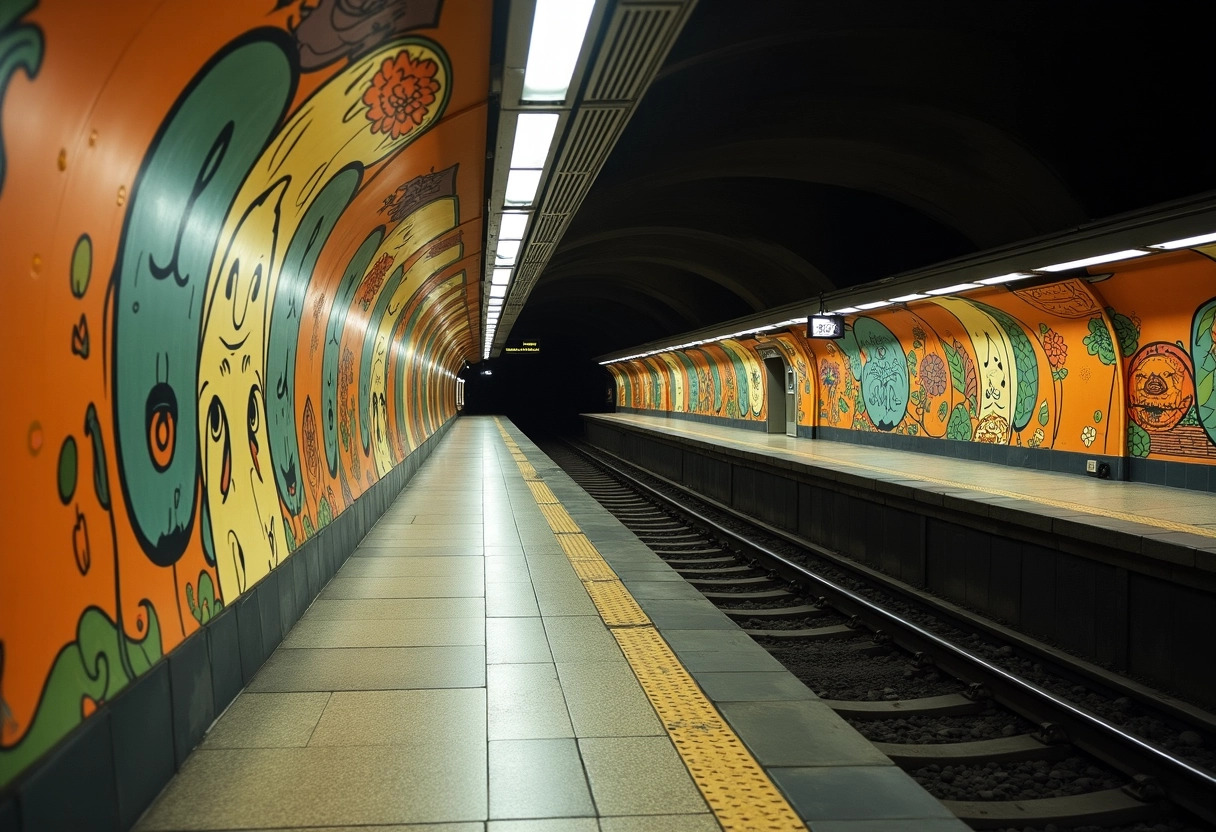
(238, 476)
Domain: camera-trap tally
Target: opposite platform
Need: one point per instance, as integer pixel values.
(458, 674)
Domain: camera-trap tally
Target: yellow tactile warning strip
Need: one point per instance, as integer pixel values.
(559, 519)
(590, 571)
(616, 606)
(543, 494)
(577, 547)
(1080, 508)
(736, 787)
(733, 783)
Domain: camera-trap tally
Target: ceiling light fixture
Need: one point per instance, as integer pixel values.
(521, 187)
(558, 30)
(1186, 242)
(506, 253)
(1004, 278)
(950, 290)
(1114, 256)
(513, 225)
(533, 135)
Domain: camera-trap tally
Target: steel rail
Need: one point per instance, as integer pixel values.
(1187, 785)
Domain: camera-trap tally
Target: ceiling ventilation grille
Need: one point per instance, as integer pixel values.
(566, 192)
(591, 137)
(538, 253)
(548, 228)
(637, 40)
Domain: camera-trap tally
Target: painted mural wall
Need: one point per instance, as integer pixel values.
(239, 243)
(1123, 364)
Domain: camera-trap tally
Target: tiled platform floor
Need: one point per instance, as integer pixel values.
(455, 676)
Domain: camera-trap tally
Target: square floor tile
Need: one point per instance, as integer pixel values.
(315, 786)
(666, 823)
(801, 733)
(551, 568)
(516, 641)
(683, 641)
(605, 700)
(581, 639)
(458, 517)
(386, 609)
(713, 661)
(402, 717)
(267, 720)
(663, 590)
(525, 701)
(537, 779)
(371, 668)
(449, 533)
(893, 825)
(425, 566)
(350, 588)
(506, 569)
(855, 793)
(413, 632)
(639, 776)
(545, 825)
(753, 686)
(511, 600)
(563, 600)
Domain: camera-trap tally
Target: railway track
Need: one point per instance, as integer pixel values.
(939, 690)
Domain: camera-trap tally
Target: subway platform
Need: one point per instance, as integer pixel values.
(500, 654)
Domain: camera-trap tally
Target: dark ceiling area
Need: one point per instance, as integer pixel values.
(791, 147)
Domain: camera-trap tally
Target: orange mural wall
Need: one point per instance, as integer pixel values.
(1120, 364)
(240, 245)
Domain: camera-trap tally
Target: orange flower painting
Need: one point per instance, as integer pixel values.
(401, 94)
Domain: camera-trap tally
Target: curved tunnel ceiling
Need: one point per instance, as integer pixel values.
(788, 148)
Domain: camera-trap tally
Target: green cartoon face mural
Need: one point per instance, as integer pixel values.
(884, 373)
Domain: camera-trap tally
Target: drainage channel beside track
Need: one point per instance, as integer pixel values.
(1008, 733)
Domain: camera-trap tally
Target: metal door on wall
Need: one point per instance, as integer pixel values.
(791, 402)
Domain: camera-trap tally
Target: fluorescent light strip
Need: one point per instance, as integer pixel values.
(559, 28)
(498, 291)
(846, 310)
(501, 277)
(533, 135)
(877, 304)
(906, 298)
(1004, 278)
(512, 225)
(950, 290)
(1186, 242)
(1114, 256)
(506, 253)
(521, 187)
